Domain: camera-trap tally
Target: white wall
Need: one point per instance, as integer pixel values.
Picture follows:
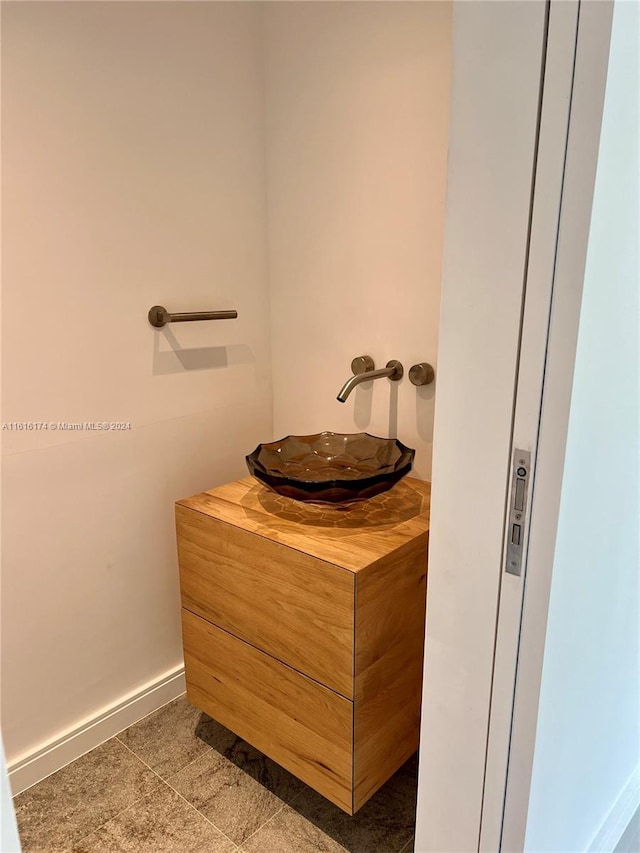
(145, 149)
(357, 129)
(133, 174)
(586, 765)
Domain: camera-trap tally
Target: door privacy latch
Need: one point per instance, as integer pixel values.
(517, 510)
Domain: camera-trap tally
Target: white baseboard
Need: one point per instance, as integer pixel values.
(617, 820)
(56, 753)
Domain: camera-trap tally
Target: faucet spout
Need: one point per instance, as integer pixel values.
(393, 371)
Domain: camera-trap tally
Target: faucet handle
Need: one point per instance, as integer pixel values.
(421, 374)
(361, 364)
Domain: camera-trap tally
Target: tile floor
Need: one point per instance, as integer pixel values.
(178, 782)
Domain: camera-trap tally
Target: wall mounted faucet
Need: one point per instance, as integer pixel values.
(363, 369)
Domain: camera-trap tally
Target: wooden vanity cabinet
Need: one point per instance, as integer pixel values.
(303, 628)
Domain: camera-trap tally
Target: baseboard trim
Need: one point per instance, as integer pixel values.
(62, 750)
(613, 826)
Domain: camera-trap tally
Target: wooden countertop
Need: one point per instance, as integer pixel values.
(352, 536)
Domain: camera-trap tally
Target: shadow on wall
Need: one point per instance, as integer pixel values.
(425, 395)
(362, 408)
(424, 409)
(177, 359)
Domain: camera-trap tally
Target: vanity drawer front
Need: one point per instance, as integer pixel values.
(295, 607)
(298, 723)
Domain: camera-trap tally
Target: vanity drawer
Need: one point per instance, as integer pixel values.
(297, 608)
(300, 724)
(303, 628)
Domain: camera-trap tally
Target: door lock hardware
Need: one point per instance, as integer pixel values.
(517, 510)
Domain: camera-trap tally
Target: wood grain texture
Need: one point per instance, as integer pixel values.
(352, 537)
(390, 622)
(298, 723)
(292, 592)
(295, 607)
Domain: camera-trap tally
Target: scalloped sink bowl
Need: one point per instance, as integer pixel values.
(331, 467)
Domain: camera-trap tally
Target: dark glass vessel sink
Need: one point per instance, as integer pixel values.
(331, 467)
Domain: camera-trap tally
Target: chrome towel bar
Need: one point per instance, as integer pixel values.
(159, 316)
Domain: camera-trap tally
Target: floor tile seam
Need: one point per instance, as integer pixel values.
(406, 846)
(273, 816)
(108, 820)
(184, 799)
(197, 758)
(260, 828)
(296, 796)
(116, 814)
(284, 803)
(210, 749)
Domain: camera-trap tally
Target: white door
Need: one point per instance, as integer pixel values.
(574, 754)
(536, 65)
